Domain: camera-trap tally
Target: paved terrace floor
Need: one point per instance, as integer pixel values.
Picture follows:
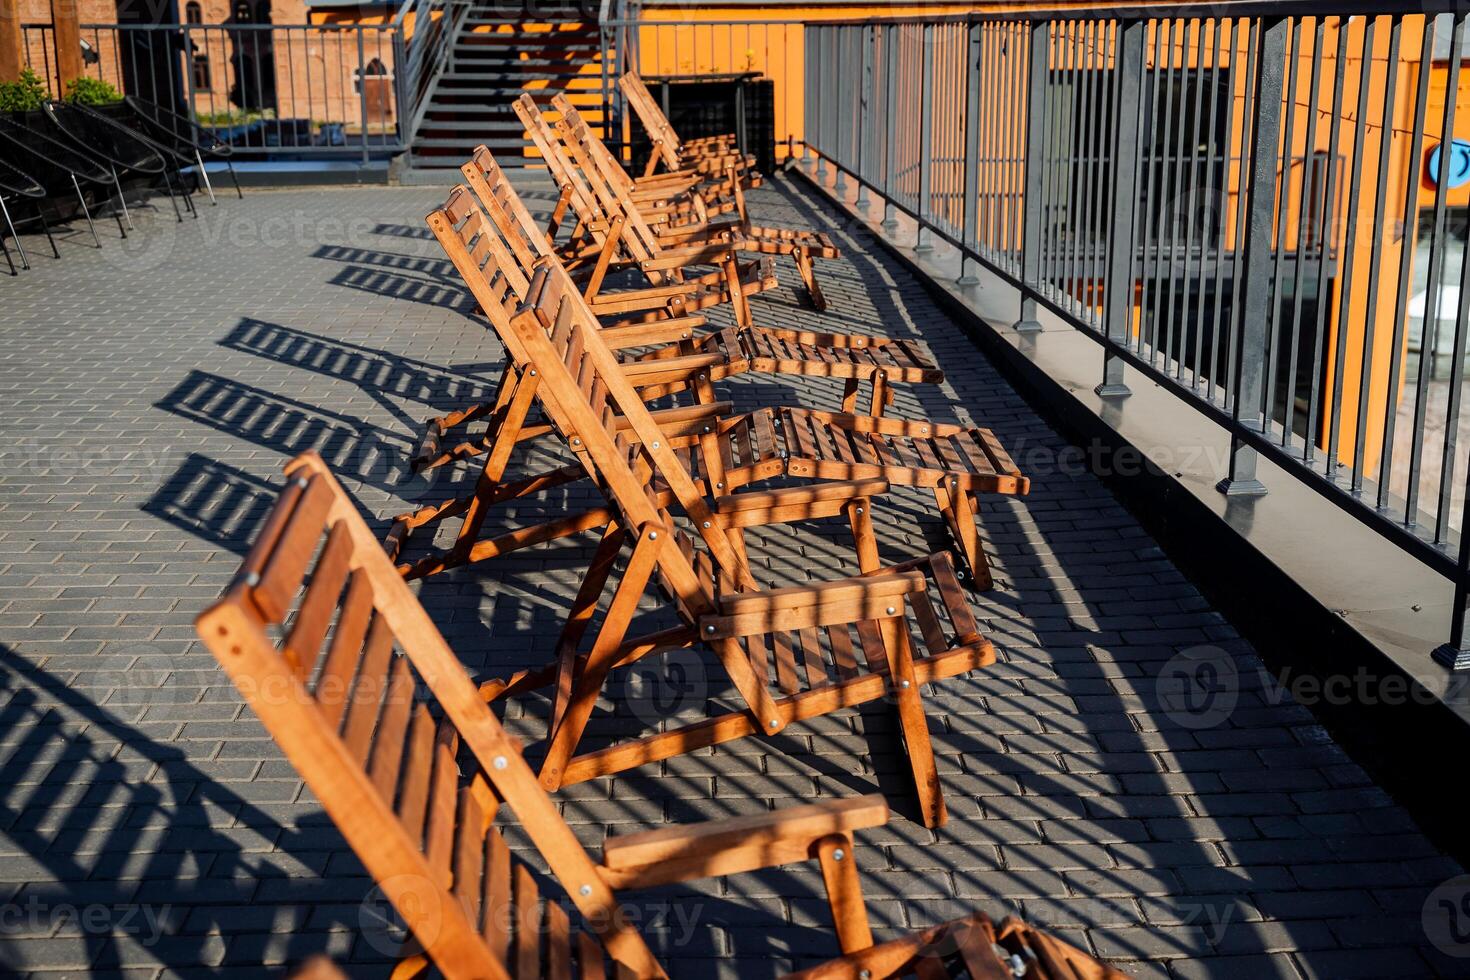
(148, 827)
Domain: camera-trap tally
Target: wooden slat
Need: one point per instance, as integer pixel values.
(439, 834)
(929, 626)
(367, 694)
(1001, 458)
(558, 943)
(286, 566)
(842, 653)
(495, 904)
(871, 640)
(528, 936)
(811, 657)
(304, 642)
(418, 765)
(341, 662)
(785, 663)
(589, 958)
(388, 747)
(469, 854)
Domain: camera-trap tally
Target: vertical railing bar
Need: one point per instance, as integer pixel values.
(1173, 165)
(1256, 295)
(1326, 225)
(362, 94)
(1153, 178)
(1190, 217)
(1429, 331)
(1038, 58)
(866, 129)
(1452, 415)
(1237, 266)
(1283, 203)
(1224, 28)
(970, 164)
(1309, 186)
(1400, 318)
(926, 138)
(1127, 140)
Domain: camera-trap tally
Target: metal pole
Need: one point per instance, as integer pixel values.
(1033, 173)
(890, 145)
(1256, 288)
(969, 230)
(1118, 291)
(926, 139)
(865, 119)
(821, 73)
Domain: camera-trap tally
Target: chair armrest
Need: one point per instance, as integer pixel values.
(760, 507)
(847, 600)
(734, 844)
(654, 332)
(697, 253)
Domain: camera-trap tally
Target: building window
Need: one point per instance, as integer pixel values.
(193, 13)
(201, 71)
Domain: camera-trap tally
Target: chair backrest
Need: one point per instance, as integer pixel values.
(606, 176)
(586, 392)
(368, 702)
(526, 239)
(593, 200)
(660, 131)
(563, 170)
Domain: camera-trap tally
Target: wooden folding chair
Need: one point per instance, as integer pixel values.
(347, 672)
(957, 463)
(600, 219)
(637, 462)
(676, 244)
(706, 154)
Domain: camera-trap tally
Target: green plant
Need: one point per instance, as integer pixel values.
(91, 91)
(29, 92)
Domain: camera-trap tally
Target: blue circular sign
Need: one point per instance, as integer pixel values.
(1459, 163)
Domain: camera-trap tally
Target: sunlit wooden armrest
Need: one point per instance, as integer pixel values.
(734, 844)
(654, 332)
(760, 507)
(846, 600)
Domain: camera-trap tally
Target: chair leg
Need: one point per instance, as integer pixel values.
(204, 176)
(959, 510)
(123, 201)
(803, 259)
(46, 228)
(168, 186)
(6, 249)
(82, 200)
(235, 180)
(911, 721)
(602, 657)
(25, 263)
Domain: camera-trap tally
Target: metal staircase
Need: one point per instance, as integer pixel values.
(491, 54)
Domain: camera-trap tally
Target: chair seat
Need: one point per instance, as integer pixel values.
(768, 352)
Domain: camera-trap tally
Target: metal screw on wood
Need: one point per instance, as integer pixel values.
(838, 854)
(499, 762)
(585, 890)
(891, 610)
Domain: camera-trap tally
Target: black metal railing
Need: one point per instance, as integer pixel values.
(267, 89)
(1265, 212)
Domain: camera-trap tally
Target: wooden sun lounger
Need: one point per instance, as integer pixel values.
(636, 462)
(615, 188)
(957, 463)
(348, 674)
(600, 219)
(853, 358)
(707, 154)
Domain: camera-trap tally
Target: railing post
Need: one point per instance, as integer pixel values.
(890, 143)
(969, 230)
(1033, 173)
(1118, 276)
(823, 148)
(865, 119)
(841, 120)
(362, 117)
(1256, 285)
(926, 138)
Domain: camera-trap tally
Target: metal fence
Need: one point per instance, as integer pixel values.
(277, 89)
(773, 48)
(1266, 214)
